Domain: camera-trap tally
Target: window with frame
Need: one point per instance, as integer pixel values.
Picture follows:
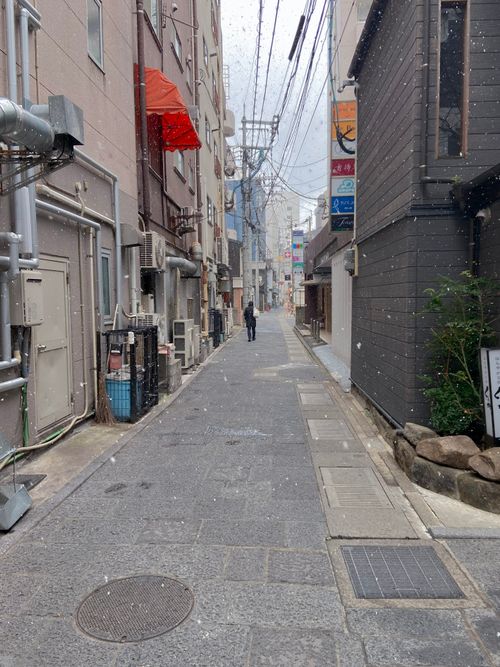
(191, 177)
(452, 79)
(94, 31)
(180, 163)
(155, 144)
(205, 53)
(208, 133)
(153, 11)
(177, 44)
(106, 284)
(210, 211)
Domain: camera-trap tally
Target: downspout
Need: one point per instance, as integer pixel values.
(85, 159)
(199, 203)
(143, 127)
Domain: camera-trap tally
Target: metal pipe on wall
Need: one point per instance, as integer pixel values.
(143, 127)
(85, 159)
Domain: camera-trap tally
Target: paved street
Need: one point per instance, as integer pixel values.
(221, 492)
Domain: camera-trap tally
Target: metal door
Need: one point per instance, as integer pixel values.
(52, 353)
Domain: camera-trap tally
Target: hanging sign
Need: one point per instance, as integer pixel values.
(490, 370)
(343, 166)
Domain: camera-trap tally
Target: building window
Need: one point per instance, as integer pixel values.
(205, 53)
(179, 163)
(152, 10)
(452, 69)
(155, 144)
(94, 31)
(191, 177)
(208, 133)
(363, 9)
(177, 45)
(106, 285)
(210, 211)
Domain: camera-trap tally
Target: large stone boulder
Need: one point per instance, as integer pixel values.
(452, 450)
(414, 433)
(479, 492)
(440, 479)
(487, 463)
(404, 453)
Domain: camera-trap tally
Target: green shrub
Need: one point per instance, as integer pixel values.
(464, 324)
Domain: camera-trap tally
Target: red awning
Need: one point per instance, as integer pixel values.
(164, 99)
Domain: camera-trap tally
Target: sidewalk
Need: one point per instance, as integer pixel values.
(250, 489)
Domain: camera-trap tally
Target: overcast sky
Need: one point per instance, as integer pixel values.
(308, 162)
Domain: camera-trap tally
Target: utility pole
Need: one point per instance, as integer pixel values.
(268, 129)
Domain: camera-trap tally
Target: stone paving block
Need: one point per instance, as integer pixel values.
(192, 645)
(340, 446)
(229, 473)
(284, 605)
(15, 598)
(247, 532)
(246, 564)
(305, 509)
(219, 507)
(93, 530)
(292, 648)
(406, 623)
(487, 625)
(300, 567)
(480, 558)
(276, 474)
(63, 646)
(423, 652)
(293, 489)
(166, 531)
(350, 651)
(306, 534)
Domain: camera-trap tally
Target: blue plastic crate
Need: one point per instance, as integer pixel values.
(120, 398)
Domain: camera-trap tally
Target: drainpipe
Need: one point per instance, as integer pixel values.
(85, 159)
(30, 245)
(143, 127)
(199, 203)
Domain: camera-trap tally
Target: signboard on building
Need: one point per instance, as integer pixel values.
(490, 370)
(343, 166)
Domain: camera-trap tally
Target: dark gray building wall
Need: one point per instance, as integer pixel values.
(389, 97)
(396, 266)
(408, 233)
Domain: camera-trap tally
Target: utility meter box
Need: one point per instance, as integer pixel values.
(26, 300)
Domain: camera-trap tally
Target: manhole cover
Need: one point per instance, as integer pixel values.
(399, 572)
(135, 608)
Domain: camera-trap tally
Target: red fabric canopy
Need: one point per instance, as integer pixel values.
(164, 99)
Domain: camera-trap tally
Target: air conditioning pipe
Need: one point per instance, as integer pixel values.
(184, 265)
(22, 127)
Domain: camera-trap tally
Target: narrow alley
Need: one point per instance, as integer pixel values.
(222, 495)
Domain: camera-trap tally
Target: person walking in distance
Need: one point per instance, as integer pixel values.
(250, 321)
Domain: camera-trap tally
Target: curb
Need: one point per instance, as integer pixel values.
(37, 514)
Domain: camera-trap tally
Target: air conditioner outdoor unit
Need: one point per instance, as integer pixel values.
(183, 341)
(187, 212)
(154, 320)
(153, 252)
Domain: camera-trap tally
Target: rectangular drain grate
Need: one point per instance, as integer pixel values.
(379, 572)
(354, 488)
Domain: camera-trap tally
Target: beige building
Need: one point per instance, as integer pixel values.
(84, 52)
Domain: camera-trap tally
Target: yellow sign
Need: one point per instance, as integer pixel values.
(344, 110)
(347, 129)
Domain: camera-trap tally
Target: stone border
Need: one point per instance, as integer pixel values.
(463, 485)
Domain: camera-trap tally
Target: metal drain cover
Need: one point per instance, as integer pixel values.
(135, 608)
(398, 573)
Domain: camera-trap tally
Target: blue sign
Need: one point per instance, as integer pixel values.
(342, 205)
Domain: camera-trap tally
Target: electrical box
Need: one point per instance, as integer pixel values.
(351, 261)
(26, 299)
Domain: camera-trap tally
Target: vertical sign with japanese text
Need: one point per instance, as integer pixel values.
(343, 166)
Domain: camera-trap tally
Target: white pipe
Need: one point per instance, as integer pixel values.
(185, 266)
(85, 159)
(132, 278)
(35, 15)
(47, 191)
(15, 383)
(92, 311)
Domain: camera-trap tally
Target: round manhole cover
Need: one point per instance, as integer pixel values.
(135, 608)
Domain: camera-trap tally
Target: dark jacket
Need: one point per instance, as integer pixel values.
(249, 318)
